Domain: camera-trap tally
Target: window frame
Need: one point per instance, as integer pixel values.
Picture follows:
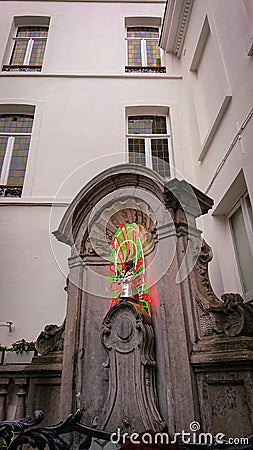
(144, 55)
(241, 203)
(143, 22)
(11, 190)
(29, 48)
(148, 137)
(25, 21)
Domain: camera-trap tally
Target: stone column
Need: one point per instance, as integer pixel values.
(174, 320)
(3, 397)
(21, 384)
(71, 339)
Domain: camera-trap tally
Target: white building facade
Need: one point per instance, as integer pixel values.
(79, 80)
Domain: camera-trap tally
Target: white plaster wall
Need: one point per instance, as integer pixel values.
(84, 37)
(80, 105)
(80, 99)
(32, 285)
(227, 70)
(79, 119)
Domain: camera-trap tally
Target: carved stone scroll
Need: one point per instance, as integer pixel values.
(51, 339)
(230, 315)
(127, 336)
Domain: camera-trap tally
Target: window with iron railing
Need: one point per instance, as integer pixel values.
(143, 52)
(28, 49)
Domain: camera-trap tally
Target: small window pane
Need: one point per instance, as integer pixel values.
(244, 257)
(147, 125)
(143, 32)
(153, 53)
(38, 51)
(32, 32)
(19, 160)
(15, 124)
(160, 156)
(136, 149)
(3, 144)
(134, 53)
(19, 52)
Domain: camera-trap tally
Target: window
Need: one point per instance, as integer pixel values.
(28, 43)
(143, 52)
(151, 147)
(241, 225)
(15, 136)
(142, 46)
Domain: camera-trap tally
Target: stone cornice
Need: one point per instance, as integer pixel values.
(175, 23)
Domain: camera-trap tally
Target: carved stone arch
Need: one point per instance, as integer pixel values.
(74, 223)
(104, 223)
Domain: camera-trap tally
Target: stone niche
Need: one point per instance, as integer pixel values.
(190, 356)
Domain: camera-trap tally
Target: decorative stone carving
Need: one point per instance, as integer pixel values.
(128, 337)
(106, 221)
(51, 339)
(206, 295)
(228, 315)
(89, 250)
(233, 317)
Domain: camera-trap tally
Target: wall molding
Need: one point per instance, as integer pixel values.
(216, 123)
(175, 24)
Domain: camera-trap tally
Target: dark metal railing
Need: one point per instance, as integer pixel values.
(14, 433)
(14, 190)
(21, 68)
(49, 435)
(146, 69)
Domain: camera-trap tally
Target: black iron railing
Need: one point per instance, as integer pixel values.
(146, 69)
(21, 68)
(14, 190)
(25, 431)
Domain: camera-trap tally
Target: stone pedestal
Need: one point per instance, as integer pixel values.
(128, 338)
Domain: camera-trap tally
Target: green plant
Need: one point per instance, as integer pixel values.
(22, 346)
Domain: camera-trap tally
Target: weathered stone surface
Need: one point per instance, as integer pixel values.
(128, 338)
(51, 339)
(230, 315)
(203, 344)
(225, 402)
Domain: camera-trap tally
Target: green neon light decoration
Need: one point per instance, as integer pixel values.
(127, 260)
